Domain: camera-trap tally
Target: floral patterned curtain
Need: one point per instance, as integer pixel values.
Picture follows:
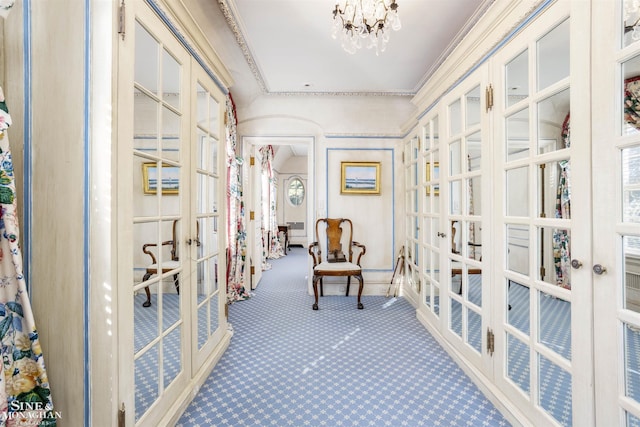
(24, 388)
(236, 228)
(272, 249)
(561, 240)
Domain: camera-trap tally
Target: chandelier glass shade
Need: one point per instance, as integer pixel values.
(366, 23)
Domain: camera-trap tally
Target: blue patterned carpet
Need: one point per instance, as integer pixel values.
(288, 365)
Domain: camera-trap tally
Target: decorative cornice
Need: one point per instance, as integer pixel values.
(235, 27)
(381, 94)
(232, 22)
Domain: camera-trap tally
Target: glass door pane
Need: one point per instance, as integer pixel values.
(536, 223)
(159, 255)
(464, 233)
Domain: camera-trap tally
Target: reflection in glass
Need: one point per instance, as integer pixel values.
(554, 189)
(552, 113)
(213, 314)
(474, 201)
(171, 356)
(474, 294)
(518, 135)
(555, 256)
(455, 118)
(630, 21)
(518, 248)
(145, 123)
(428, 297)
(518, 367)
(474, 152)
(630, 92)
(555, 324)
(474, 241)
(631, 248)
(170, 303)
(517, 79)
(474, 330)
(436, 300)
(456, 318)
(518, 308)
(170, 135)
(203, 320)
(143, 74)
(518, 191)
(455, 166)
(632, 361)
(455, 197)
(632, 420)
(553, 378)
(146, 380)
(214, 126)
(435, 137)
(631, 184)
(202, 107)
(473, 109)
(553, 56)
(170, 80)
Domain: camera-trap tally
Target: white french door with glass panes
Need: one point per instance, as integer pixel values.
(464, 227)
(542, 221)
(616, 193)
(170, 203)
(507, 221)
(412, 199)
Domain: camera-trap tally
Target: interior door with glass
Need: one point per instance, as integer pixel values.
(431, 213)
(464, 225)
(537, 226)
(153, 330)
(412, 200)
(208, 200)
(616, 211)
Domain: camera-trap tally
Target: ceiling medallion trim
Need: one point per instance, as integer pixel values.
(229, 16)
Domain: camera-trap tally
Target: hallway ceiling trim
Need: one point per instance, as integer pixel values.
(273, 37)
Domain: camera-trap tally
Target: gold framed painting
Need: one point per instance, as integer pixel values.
(360, 178)
(435, 177)
(170, 178)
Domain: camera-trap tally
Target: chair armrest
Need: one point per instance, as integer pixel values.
(362, 252)
(148, 252)
(314, 251)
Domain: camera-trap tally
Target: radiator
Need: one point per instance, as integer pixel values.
(295, 225)
(632, 280)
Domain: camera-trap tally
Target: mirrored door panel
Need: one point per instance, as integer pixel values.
(159, 200)
(464, 227)
(209, 299)
(535, 225)
(429, 194)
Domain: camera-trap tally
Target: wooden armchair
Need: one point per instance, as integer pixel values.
(167, 264)
(330, 237)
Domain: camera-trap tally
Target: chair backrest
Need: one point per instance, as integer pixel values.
(334, 236)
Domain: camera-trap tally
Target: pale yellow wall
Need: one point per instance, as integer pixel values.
(58, 177)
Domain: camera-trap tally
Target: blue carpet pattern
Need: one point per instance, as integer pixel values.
(288, 365)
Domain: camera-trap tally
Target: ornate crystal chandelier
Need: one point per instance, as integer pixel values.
(365, 22)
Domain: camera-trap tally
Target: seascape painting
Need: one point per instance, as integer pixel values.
(360, 178)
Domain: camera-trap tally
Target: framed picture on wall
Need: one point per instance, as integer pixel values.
(435, 177)
(360, 178)
(170, 178)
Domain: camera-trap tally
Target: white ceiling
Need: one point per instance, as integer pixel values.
(285, 46)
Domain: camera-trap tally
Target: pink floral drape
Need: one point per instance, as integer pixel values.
(236, 227)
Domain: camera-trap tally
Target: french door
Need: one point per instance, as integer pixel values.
(170, 207)
(464, 227)
(616, 192)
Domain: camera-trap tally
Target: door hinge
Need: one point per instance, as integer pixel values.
(543, 272)
(419, 144)
(252, 215)
(490, 342)
(489, 97)
(253, 270)
(121, 17)
(252, 161)
(403, 157)
(121, 416)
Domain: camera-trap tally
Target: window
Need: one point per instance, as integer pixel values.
(295, 191)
